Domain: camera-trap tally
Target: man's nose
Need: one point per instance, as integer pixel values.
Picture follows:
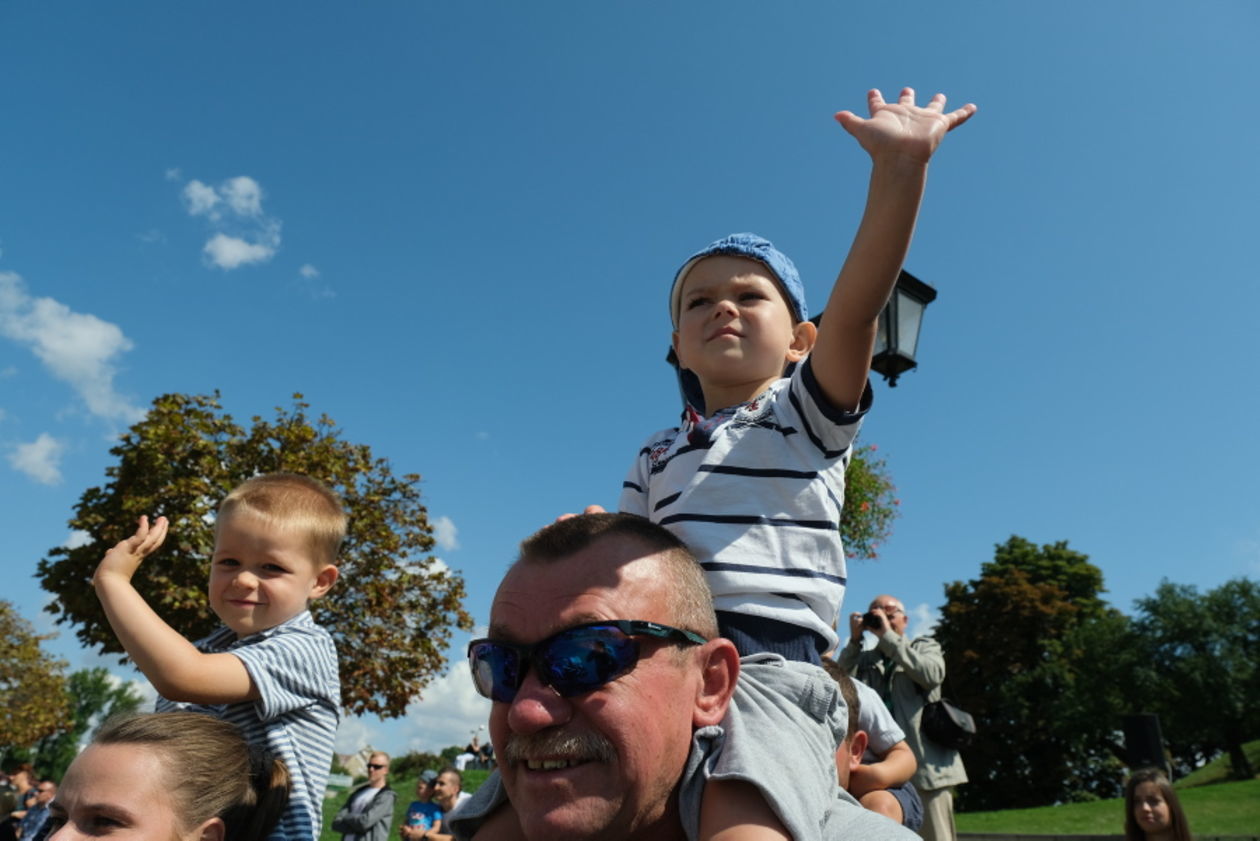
(537, 707)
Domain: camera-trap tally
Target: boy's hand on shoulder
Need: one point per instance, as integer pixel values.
(903, 129)
(124, 559)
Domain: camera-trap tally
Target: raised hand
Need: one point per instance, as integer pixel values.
(902, 128)
(124, 559)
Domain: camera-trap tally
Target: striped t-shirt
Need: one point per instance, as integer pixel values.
(294, 666)
(757, 497)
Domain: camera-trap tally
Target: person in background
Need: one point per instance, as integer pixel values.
(170, 777)
(879, 763)
(423, 814)
(369, 811)
(1152, 811)
(908, 675)
(449, 794)
(36, 813)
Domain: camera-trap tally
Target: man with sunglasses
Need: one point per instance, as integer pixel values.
(609, 685)
(907, 675)
(369, 811)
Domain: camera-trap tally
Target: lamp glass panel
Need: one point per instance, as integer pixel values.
(881, 335)
(909, 317)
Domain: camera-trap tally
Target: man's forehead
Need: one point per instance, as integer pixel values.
(607, 580)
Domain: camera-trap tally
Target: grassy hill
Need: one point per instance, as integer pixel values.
(1213, 807)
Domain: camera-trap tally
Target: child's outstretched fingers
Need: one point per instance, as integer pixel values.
(124, 559)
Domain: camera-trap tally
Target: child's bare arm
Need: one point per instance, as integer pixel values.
(900, 138)
(896, 766)
(171, 663)
(735, 811)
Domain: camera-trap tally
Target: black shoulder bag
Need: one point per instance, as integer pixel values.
(949, 726)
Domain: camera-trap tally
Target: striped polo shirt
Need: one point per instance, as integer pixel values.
(757, 496)
(294, 666)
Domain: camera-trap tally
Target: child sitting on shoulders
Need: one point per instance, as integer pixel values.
(270, 669)
(753, 479)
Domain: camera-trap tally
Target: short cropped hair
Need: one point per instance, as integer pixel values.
(847, 691)
(1176, 816)
(294, 501)
(692, 601)
(211, 771)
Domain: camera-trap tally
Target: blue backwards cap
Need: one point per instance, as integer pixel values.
(755, 248)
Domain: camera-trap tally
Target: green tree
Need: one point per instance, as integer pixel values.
(93, 695)
(392, 612)
(32, 685)
(1021, 654)
(1201, 670)
(870, 504)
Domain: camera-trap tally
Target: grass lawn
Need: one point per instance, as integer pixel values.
(1224, 809)
(406, 789)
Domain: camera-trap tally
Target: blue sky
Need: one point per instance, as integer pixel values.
(453, 227)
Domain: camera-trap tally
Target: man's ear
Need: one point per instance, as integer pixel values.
(324, 580)
(804, 334)
(719, 669)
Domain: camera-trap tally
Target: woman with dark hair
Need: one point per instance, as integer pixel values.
(1152, 811)
(170, 777)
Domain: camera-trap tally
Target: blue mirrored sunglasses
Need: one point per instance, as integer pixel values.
(572, 662)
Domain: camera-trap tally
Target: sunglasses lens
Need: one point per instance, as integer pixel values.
(577, 661)
(496, 671)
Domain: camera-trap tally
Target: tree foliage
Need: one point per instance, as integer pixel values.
(393, 609)
(1201, 670)
(93, 695)
(1022, 655)
(32, 684)
(870, 504)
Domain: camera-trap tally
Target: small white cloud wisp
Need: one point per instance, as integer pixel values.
(242, 233)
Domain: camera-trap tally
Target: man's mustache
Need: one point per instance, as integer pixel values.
(559, 744)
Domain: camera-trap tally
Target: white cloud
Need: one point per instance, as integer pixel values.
(445, 533)
(231, 252)
(242, 234)
(173, 174)
(923, 620)
(77, 348)
(77, 538)
(40, 459)
(243, 195)
(354, 734)
(308, 271)
(199, 198)
(450, 711)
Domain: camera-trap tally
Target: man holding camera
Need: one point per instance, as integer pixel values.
(908, 675)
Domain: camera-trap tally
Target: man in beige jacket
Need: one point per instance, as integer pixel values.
(908, 675)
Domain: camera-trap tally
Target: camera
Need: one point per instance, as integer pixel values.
(870, 620)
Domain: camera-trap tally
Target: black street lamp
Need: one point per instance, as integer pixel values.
(898, 335)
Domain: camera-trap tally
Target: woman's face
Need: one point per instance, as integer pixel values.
(1150, 809)
(117, 792)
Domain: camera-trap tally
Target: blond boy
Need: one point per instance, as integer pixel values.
(269, 669)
